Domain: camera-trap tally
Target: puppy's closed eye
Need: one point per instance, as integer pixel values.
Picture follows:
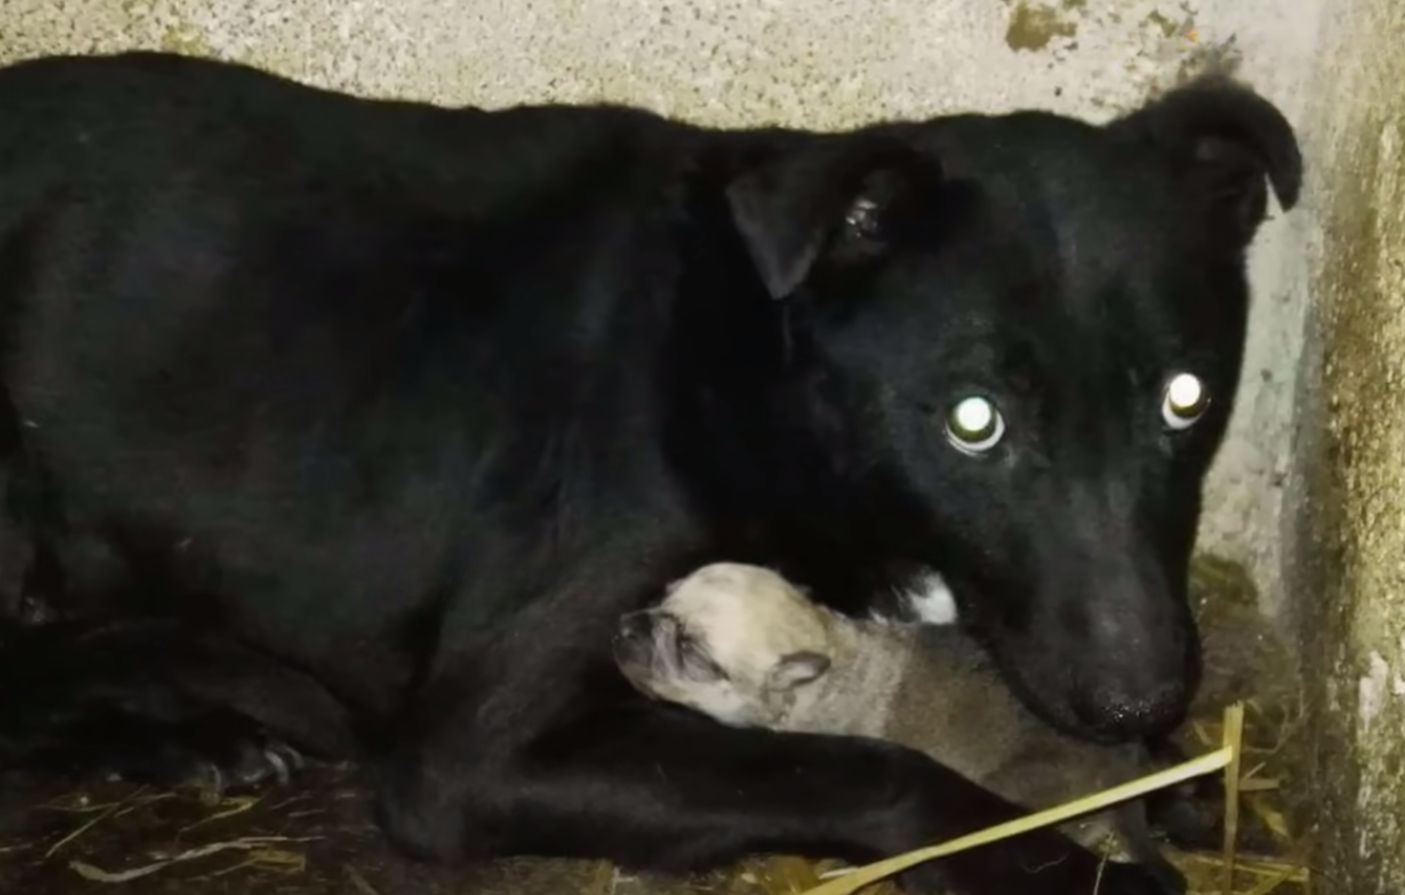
(694, 659)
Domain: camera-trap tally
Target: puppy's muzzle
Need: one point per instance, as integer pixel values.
(634, 638)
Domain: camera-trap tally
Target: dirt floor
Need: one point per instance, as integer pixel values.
(315, 836)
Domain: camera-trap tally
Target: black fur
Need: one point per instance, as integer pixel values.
(393, 410)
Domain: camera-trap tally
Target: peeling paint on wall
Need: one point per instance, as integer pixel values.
(1371, 691)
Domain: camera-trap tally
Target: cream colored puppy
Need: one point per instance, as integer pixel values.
(745, 646)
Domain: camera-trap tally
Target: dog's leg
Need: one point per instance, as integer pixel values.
(650, 786)
(155, 701)
(1129, 820)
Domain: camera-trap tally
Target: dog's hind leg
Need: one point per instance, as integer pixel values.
(17, 548)
(159, 702)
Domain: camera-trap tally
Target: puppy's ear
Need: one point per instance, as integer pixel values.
(838, 196)
(795, 669)
(1223, 140)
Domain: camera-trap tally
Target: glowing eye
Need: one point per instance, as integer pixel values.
(974, 426)
(1184, 401)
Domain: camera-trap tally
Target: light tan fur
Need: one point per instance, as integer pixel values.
(879, 679)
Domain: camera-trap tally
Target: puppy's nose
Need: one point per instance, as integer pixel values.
(636, 625)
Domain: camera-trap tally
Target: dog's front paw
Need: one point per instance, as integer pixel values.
(240, 762)
(247, 764)
(1140, 879)
(1016, 868)
(928, 879)
(1115, 879)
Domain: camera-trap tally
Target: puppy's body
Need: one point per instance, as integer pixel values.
(870, 664)
(756, 652)
(950, 702)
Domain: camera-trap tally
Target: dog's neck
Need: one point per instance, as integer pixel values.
(868, 660)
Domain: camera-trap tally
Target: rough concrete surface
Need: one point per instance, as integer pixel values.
(813, 63)
(1348, 557)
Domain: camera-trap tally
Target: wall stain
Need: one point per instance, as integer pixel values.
(185, 39)
(1034, 25)
(1158, 19)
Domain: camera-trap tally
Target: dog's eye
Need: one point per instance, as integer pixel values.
(1184, 401)
(974, 425)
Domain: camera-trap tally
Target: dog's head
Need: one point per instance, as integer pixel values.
(1011, 349)
(731, 641)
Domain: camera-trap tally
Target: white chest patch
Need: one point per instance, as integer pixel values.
(930, 600)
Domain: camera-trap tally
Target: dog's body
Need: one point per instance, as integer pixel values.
(370, 419)
(743, 645)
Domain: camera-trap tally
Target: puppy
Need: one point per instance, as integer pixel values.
(745, 646)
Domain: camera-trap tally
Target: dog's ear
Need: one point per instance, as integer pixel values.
(795, 669)
(838, 197)
(1223, 140)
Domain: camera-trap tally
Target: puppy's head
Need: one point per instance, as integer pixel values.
(730, 641)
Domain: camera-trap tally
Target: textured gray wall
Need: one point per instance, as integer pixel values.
(817, 63)
(1347, 529)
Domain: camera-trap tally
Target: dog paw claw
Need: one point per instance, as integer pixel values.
(248, 764)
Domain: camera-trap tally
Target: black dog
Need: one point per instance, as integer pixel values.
(365, 421)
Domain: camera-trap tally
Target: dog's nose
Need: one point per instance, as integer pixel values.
(1122, 714)
(636, 625)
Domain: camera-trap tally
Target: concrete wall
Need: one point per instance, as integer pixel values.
(1347, 536)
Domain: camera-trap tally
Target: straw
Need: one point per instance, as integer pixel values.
(1233, 738)
(1221, 758)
